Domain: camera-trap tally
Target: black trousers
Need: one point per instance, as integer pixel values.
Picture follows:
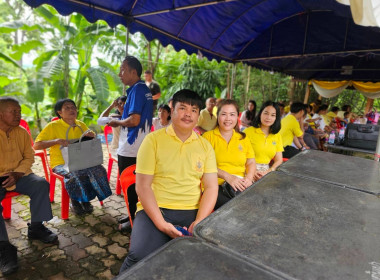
(290, 151)
(123, 163)
(146, 238)
(37, 189)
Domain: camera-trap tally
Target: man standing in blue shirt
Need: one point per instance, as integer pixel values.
(135, 122)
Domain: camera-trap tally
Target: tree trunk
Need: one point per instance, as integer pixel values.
(38, 119)
(158, 52)
(307, 94)
(228, 81)
(291, 88)
(66, 71)
(247, 86)
(150, 58)
(368, 105)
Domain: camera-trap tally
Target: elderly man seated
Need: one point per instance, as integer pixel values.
(16, 160)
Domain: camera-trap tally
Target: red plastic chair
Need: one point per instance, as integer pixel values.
(65, 199)
(7, 204)
(111, 160)
(37, 153)
(127, 179)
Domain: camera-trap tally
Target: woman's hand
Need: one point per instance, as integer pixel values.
(260, 174)
(238, 184)
(248, 182)
(90, 134)
(62, 142)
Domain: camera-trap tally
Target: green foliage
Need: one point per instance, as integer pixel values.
(10, 60)
(35, 91)
(80, 60)
(99, 83)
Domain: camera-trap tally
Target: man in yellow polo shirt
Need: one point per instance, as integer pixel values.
(207, 120)
(291, 130)
(171, 163)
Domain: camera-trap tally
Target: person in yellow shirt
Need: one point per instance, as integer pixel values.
(265, 138)
(81, 185)
(234, 154)
(207, 120)
(17, 157)
(171, 164)
(291, 130)
(331, 115)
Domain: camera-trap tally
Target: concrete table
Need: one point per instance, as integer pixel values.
(351, 172)
(306, 229)
(189, 258)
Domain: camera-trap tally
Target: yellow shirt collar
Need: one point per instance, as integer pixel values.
(170, 131)
(234, 135)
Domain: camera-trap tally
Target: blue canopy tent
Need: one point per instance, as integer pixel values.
(307, 39)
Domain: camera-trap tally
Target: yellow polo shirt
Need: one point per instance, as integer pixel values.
(290, 127)
(57, 130)
(265, 147)
(206, 121)
(230, 157)
(177, 167)
(329, 116)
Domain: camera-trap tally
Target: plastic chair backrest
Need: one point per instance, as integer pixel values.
(127, 179)
(25, 125)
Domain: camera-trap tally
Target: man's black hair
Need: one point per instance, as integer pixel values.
(334, 109)
(133, 63)
(345, 107)
(296, 107)
(58, 106)
(322, 108)
(281, 104)
(276, 126)
(187, 96)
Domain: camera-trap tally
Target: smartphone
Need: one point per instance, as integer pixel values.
(183, 231)
(2, 179)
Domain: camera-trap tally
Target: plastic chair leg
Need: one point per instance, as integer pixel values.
(118, 186)
(44, 164)
(7, 204)
(65, 202)
(109, 170)
(52, 187)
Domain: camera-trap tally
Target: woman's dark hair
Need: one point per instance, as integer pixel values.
(122, 98)
(276, 126)
(166, 108)
(230, 102)
(58, 106)
(251, 114)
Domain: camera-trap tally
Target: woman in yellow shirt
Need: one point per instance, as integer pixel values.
(82, 185)
(265, 139)
(234, 154)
